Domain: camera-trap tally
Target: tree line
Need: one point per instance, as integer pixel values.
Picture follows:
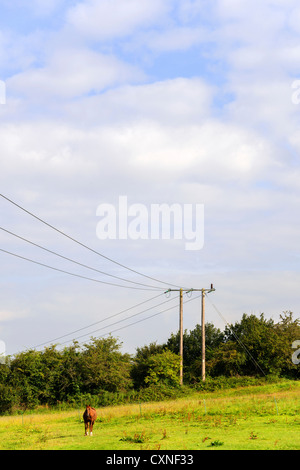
(98, 370)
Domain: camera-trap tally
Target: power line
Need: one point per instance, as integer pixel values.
(112, 316)
(73, 274)
(82, 244)
(124, 319)
(73, 261)
(134, 323)
(238, 339)
(100, 321)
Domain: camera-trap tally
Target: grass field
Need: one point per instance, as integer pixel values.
(250, 418)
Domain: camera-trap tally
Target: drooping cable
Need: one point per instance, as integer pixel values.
(136, 322)
(112, 324)
(102, 320)
(237, 338)
(73, 274)
(75, 262)
(82, 244)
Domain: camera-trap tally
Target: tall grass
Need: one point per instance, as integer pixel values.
(254, 417)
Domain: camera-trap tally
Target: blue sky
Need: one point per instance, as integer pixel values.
(164, 101)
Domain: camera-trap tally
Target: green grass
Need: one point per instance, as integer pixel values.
(255, 418)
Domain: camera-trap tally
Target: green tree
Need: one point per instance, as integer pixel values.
(68, 380)
(8, 394)
(192, 348)
(266, 344)
(164, 368)
(104, 367)
(140, 364)
(226, 360)
(27, 377)
(288, 331)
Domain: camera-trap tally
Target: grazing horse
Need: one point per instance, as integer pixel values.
(89, 418)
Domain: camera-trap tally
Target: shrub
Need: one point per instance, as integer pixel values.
(8, 399)
(163, 367)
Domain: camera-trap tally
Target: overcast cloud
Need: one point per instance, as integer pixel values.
(162, 101)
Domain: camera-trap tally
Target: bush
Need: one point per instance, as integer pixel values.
(160, 392)
(163, 368)
(98, 373)
(222, 383)
(9, 399)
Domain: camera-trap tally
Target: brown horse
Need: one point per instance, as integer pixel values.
(89, 418)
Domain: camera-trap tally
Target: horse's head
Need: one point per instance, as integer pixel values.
(88, 410)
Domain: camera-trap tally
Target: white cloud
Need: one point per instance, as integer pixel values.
(212, 151)
(174, 39)
(67, 144)
(166, 126)
(171, 102)
(108, 19)
(72, 72)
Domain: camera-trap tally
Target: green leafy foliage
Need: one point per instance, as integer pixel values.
(98, 372)
(163, 367)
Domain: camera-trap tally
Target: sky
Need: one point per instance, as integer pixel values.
(192, 102)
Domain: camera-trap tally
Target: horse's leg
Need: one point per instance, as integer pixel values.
(86, 425)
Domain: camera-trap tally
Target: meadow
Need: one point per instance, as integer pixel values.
(262, 417)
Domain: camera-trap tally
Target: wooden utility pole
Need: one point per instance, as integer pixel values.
(181, 335)
(181, 326)
(203, 333)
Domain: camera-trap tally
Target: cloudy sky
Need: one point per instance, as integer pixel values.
(162, 102)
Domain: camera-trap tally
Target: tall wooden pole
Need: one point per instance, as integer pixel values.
(181, 335)
(181, 326)
(203, 333)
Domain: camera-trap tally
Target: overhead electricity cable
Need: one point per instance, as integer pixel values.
(100, 321)
(107, 326)
(82, 244)
(138, 321)
(76, 262)
(121, 328)
(237, 338)
(73, 274)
